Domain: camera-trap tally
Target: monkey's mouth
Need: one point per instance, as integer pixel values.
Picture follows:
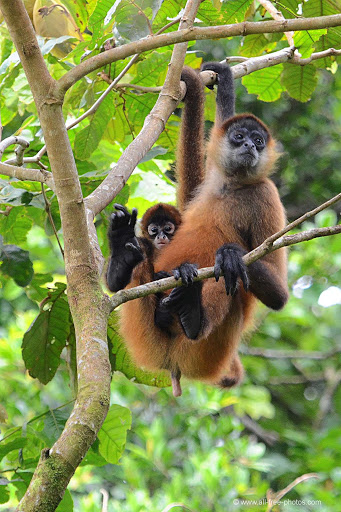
(161, 244)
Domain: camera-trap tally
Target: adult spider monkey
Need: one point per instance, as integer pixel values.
(235, 208)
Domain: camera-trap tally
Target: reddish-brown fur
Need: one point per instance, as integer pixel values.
(224, 210)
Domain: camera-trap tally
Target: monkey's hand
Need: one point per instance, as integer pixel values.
(229, 260)
(223, 71)
(126, 252)
(185, 301)
(122, 234)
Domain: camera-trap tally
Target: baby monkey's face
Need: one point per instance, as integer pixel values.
(161, 233)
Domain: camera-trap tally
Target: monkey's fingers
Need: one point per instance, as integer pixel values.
(187, 272)
(218, 265)
(133, 217)
(121, 208)
(161, 275)
(243, 274)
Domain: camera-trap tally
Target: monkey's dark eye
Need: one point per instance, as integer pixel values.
(238, 136)
(169, 228)
(258, 141)
(152, 229)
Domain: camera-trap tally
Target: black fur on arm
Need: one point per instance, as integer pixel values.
(225, 93)
(190, 154)
(125, 250)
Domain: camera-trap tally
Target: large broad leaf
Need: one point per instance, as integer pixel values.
(152, 71)
(122, 360)
(305, 41)
(300, 81)
(168, 11)
(289, 8)
(133, 18)
(66, 505)
(15, 226)
(16, 263)
(113, 434)
(47, 336)
(232, 11)
(265, 83)
(54, 422)
(87, 140)
(331, 40)
(315, 8)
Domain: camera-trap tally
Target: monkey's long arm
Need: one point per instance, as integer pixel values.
(225, 92)
(191, 155)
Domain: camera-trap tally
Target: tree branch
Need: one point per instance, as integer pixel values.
(205, 273)
(21, 173)
(277, 15)
(88, 304)
(289, 354)
(192, 34)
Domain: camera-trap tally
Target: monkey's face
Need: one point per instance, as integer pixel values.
(161, 233)
(244, 148)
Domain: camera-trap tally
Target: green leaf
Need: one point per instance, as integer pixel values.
(300, 81)
(47, 336)
(15, 196)
(15, 226)
(315, 8)
(151, 72)
(66, 505)
(98, 15)
(4, 491)
(232, 11)
(253, 45)
(133, 19)
(304, 41)
(124, 363)
(265, 83)
(16, 263)
(11, 446)
(87, 140)
(54, 422)
(113, 434)
(168, 11)
(331, 40)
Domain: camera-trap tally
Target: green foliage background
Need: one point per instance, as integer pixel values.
(208, 447)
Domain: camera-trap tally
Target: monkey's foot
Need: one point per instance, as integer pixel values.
(186, 302)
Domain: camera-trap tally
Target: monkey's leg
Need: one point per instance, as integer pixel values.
(186, 303)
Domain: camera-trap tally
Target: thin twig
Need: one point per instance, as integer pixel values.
(13, 139)
(333, 379)
(291, 380)
(21, 173)
(270, 241)
(49, 213)
(274, 498)
(290, 354)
